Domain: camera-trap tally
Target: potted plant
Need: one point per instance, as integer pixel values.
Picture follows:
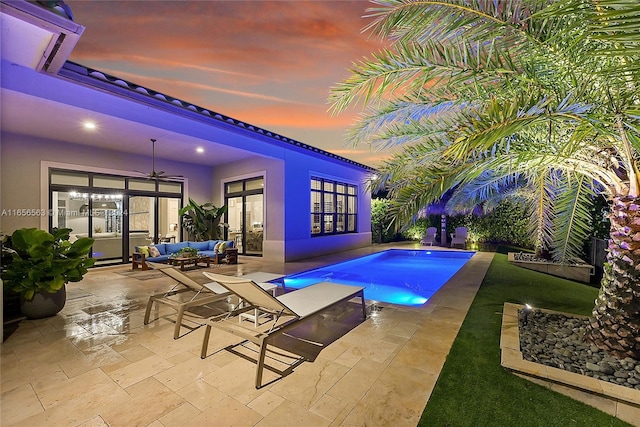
(185, 253)
(37, 265)
(203, 221)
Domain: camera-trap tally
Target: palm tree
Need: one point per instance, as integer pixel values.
(531, 98)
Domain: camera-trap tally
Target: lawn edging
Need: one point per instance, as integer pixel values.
(578, 272)
(618, 401)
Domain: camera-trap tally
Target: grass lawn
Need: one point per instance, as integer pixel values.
(474, 390)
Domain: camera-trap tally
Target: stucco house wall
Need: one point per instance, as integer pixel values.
(24, 162)
(273, 201)
(287, 197)
(299, 169)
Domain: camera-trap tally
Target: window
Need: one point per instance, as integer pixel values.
(118, 212)
(333, 207)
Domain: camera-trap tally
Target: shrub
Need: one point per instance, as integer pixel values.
(418, 229)
(382, 227)
(507, 223)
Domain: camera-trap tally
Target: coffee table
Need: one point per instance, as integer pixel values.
(190, 261)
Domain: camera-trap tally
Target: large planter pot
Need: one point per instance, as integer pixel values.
(44, 304)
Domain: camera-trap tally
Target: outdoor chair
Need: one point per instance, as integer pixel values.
(429, 237)
(459, 237)
(174, 297)
(288, 311)
(201, 294)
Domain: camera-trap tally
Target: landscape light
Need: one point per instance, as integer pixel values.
(524, 313)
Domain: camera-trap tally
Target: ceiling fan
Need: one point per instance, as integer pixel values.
(159, 175)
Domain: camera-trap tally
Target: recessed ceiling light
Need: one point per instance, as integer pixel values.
(89, 125)
(200, 150)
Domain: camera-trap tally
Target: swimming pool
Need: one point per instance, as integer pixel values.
(397, 276)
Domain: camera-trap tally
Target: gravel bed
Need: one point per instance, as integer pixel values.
(557, 340)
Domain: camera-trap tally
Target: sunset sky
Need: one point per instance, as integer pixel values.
(268, 63)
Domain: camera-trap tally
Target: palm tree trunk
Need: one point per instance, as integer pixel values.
(615, 325)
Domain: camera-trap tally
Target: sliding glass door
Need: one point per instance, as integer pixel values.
(118, 212)
(141, 221)
(245, 215)
(95, 215)
(153, 220)
(254, 229)
(235, 220)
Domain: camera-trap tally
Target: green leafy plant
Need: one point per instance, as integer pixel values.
(382, 225)
(416, 229)
(35, 260)
(185, 252)
(203, 221)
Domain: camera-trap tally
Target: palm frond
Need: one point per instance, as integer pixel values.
(611, 29)
(618, 21)
(383, 126)
(502, 118)
(478, 19)
(431, 69)
(572, 219)
(387, 72)
(487, 190)
(541, 206)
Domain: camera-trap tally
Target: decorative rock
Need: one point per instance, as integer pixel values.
(605, 368)
(593, 367)
(557, 341)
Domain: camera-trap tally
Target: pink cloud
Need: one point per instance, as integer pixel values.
(270, 63)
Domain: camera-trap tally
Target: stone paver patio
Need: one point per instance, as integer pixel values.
(96, 364)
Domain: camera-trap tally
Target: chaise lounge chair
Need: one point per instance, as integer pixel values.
(202, 294)
(429, 237)
(289, 310)
(459, 237)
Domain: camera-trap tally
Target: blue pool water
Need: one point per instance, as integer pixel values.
(406, 277)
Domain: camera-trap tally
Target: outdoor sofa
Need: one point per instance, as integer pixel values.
(207, 248)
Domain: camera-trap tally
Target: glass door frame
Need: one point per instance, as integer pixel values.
(242, 194)
(157, 190)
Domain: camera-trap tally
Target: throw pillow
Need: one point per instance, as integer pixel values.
(216, 247)
(144, 250)
(222, 248)
(153, 251)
